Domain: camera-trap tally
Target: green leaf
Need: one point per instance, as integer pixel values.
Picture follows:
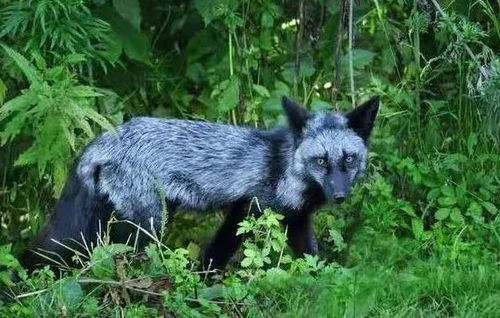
(490, 207)
(261, 90)
(476, 212)
(212, 9)
(200, 45)
(137, 47)
(5, 279)
(194, 250)
(68, 133)
(456, 216)
(24, 65)
(409, 209)
(212, 292)
(21, 105)
(249, 253)
(102, 259)
(74, 59)
(3, 91)
(360, 58)
(91, 306)
(6, 258)
(337, 238)
(442, 214)
(85, 91)
(447, 201)
(433, 194)
(448, 191)
(230, 97)
(418, 228)
(272, 108)
(267, 20)
(471, 143)
(362, 302)
(135, 43)
(475, 209)
(130, 11)
(306, 69)
(258, 261)
(246, 262)
(66, 292)
(319, 105)
(97, 118)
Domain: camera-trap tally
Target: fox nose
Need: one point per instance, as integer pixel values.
(339, 198)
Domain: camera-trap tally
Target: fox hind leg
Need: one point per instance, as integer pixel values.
(146, 219)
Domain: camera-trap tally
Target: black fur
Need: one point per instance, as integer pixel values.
(301, 236)
(226, 242)
(362, 118)
(79, 211)
(297, 115)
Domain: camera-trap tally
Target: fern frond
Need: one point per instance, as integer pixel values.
(56, 110)
(56, 28)
(24, 65)
(19, 104)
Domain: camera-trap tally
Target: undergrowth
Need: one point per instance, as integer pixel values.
(418, 238)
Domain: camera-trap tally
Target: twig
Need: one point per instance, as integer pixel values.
(416, 52)
(162, 28)
(212, 301)
(144, 291)
(282, 249)
(351, 67)
(207, 271)
(338, 46)
(120, 284)
(36, 292)
(236, 308)
(298, 46)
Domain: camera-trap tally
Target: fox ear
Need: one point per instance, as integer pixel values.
(296, 114)
(361, 119)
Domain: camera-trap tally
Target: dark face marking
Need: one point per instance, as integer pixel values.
(331, 148)
(331, 158)
(334, 175)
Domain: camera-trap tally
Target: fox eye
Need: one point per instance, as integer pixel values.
(349, 159)
(321, 162)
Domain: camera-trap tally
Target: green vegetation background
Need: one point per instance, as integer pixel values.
(420, 238)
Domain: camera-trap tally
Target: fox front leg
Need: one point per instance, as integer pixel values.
(301, 236)
(226, 242)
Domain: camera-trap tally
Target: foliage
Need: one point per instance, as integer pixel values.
(419, 237)
(267, 238)
(57, 29)
(53, 109)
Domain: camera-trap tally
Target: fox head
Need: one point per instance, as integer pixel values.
(331, 148)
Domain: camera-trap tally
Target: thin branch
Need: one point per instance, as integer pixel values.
(33, 293)
(298, 46)
(351, 67)
(338, 46)
(416, 52)
(162, 28)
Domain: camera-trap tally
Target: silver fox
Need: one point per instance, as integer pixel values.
(203, 166)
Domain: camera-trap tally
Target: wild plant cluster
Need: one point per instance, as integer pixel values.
(419, 237)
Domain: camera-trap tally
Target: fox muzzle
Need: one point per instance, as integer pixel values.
(337, 185)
